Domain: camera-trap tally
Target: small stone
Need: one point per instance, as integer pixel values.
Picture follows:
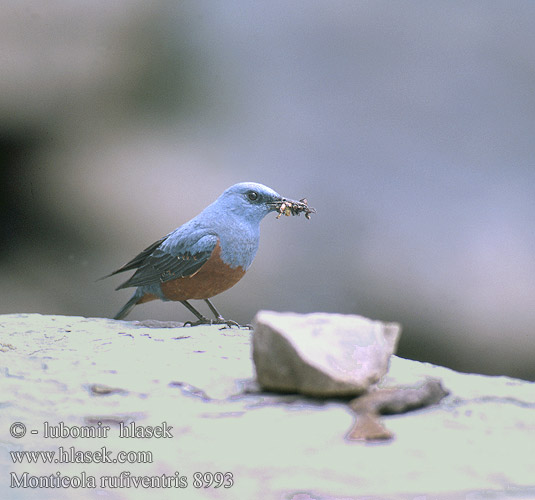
(321, 354)
(390, 401)
(104, 390)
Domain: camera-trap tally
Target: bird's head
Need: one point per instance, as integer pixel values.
(250, 200)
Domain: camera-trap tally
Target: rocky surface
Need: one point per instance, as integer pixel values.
(476, 443)
(321, 354)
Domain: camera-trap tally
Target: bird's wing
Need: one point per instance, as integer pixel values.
(172, 258)
(137, 261)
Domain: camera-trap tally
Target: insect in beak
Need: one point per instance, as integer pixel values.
(292, 207)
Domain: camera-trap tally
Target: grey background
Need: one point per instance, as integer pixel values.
(407, 125)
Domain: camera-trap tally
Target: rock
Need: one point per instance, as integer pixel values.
(321, 354)
(390, 401)
(400, 399)
(476, 443)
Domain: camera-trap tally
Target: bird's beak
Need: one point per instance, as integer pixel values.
(276, 203)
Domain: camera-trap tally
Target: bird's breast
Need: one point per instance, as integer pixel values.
(214, 277)
(239, 246)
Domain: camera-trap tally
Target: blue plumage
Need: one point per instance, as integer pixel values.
(234, 219)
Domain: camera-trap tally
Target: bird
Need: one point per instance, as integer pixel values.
(208, 254)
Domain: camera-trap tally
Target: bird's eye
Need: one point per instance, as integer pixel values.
(253, 195)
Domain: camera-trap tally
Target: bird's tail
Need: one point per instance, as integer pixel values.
(129, 305)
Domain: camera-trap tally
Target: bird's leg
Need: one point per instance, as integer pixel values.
(201, 319)
(222, 321)
(215, 312)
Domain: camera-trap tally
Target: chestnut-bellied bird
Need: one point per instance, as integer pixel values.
(208, 254)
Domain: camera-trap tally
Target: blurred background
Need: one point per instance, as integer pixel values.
(409, 126)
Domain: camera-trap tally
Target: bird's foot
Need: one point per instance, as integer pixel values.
(228, 323)
(200, 321)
